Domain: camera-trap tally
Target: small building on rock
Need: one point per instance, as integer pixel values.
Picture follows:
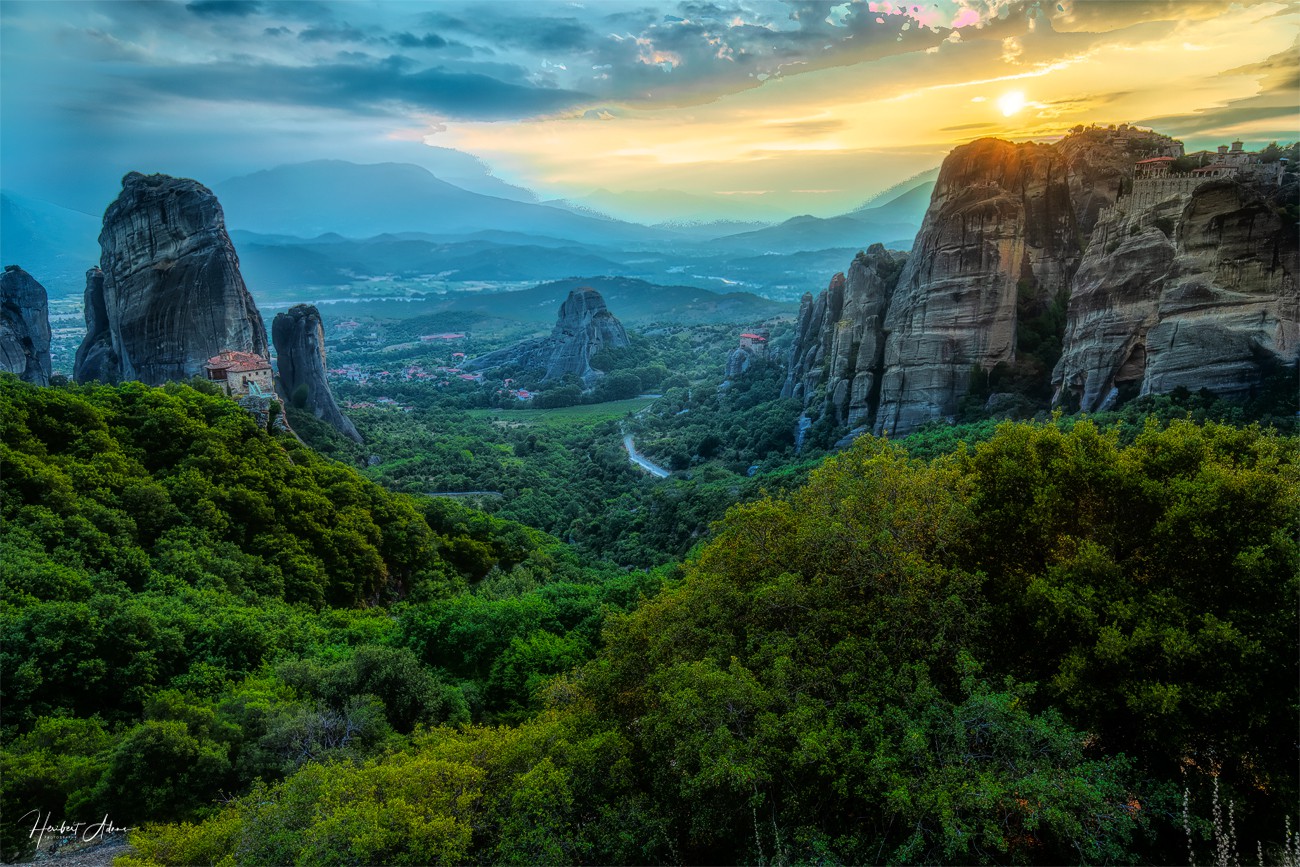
(240, 373)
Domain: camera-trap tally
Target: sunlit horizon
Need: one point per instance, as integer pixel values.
(764, 112)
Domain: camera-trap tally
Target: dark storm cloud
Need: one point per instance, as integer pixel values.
(410, 40)
(341, 33)
(536, 33)
(364, 89)
(221, 8)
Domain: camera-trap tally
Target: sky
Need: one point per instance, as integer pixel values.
(769, 108)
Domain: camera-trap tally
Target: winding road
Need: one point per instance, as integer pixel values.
(641, 460)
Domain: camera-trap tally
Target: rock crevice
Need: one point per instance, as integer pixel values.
(836, 360)
(1211, 304)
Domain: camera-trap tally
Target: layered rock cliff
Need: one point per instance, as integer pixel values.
(1002, 237)
(836, 358)
(299, 339)
(24, 326)
(1197, 290)
(172, 293)
(1027, 249)
(584, 327)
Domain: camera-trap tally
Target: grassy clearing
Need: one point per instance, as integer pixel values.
(592, 413)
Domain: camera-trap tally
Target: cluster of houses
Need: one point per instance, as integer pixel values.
(438, 375)
(1227, 161)
(378, 403)
(246, 374)
(516, 393)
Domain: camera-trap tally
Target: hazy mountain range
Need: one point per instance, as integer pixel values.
(635, 302)
(331, 223)
(55, 245)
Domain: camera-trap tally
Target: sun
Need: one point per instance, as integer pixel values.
(1011, 103)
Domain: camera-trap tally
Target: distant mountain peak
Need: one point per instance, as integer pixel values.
(364, 200)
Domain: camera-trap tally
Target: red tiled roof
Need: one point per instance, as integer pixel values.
(754, 336)
(237, 362)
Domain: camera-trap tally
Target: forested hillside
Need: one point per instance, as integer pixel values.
(1032, 650)
(191, 605)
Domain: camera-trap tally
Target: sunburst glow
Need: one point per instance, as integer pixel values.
(1011, 103)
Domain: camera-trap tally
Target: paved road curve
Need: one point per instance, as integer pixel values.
(640, 460)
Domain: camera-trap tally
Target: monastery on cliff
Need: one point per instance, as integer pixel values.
(240, 373)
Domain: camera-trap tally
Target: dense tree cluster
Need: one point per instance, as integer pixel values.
(191, 605)
(1022, 652)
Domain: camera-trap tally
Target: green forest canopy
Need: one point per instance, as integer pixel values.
(1021, 652)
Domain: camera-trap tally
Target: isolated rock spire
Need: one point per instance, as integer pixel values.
(172, 295)
(299, 339)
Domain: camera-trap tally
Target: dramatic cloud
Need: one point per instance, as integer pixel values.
(353, 87)
(838, 98)
(1279, 83)
(428, 40)
(215, 8)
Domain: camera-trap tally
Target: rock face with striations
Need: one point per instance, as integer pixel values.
(839, 340)
(584, 327)
(299, 339)
(1002, 233)
(24, 326)
(1042, 268)
(739, 361)
(172, 293)
(1198, 290)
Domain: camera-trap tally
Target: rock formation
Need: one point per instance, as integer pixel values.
(172, 293)
(1191, 286)
(739, 361)
(1193, 291)
(24, 326)
(299, 340)
(264, 415)
(1002, 234)
(840, 342)
(584, 327)
(751, 351)
(96, 359)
